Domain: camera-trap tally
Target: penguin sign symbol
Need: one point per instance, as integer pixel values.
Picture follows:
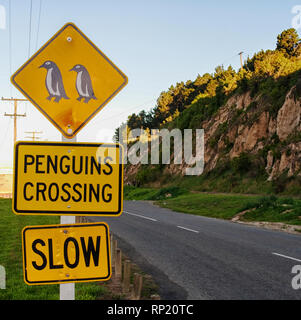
(83, 83)
(54, 81)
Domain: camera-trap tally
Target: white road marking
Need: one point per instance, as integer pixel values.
(188, 229)
(138, 215)
(287, 257)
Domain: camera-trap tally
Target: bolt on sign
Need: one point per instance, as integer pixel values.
(66, 253)
(69, 80)
(52, 178)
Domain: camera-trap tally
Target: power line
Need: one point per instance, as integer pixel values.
(121, 113)
(10, 43)
(33, 136)
(5, 134)
(29, 36)
(39, 20)
(228, 59)
(15, 114)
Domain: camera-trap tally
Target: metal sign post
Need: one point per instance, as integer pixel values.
(67, 290)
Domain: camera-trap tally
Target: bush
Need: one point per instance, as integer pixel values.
(267, 202)
(242, 163)
(169, 192)
(279, 184)
(147, 174)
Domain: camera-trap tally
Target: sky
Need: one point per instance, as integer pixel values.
(155, 43)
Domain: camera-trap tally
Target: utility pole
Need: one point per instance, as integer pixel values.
(241, 63)
(33, 135)
(15, 114)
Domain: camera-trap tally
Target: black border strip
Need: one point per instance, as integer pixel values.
(50, 212)
(66, 280)
(99, 108)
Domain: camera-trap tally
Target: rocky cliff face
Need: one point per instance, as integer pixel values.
(251, 125)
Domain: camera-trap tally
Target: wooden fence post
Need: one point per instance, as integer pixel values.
(113, 252)
(126, 275)
(137, 286)
(118, 264)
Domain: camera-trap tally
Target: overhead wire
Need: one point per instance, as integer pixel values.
(228, 59)
(29, 36)
(10, 44)
(5, 134)
(30, 31)
(39, 22)
(121, 113)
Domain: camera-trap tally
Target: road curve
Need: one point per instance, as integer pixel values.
(194, 257)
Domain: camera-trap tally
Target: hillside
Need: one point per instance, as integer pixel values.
(251, 120)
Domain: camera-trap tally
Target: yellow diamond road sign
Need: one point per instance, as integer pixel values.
(66, 253)
(65, 178)
(69, 80)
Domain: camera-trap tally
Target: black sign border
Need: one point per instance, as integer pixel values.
(66, 280)
(68, 213)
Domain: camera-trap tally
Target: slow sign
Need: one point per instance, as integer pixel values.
(66, 253)
(68, 179)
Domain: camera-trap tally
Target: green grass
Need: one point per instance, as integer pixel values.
(274, 209)
(222, 206)
(208, 205)
(132, 193)
(11, 226)
(225, 179)
(89, 291)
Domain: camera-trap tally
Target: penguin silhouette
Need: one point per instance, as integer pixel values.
(83, 83)
(54, 81)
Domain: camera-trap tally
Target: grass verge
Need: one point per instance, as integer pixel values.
(132, 193)
(222, 206)
(209, 205)
(11, 226)
(275, 209)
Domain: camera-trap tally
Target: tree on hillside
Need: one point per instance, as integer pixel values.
(134, 121)
(274, 64)
(289, 42)
(228, 79)
(201, 82)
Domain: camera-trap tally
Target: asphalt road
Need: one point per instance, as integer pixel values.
(193, 257)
